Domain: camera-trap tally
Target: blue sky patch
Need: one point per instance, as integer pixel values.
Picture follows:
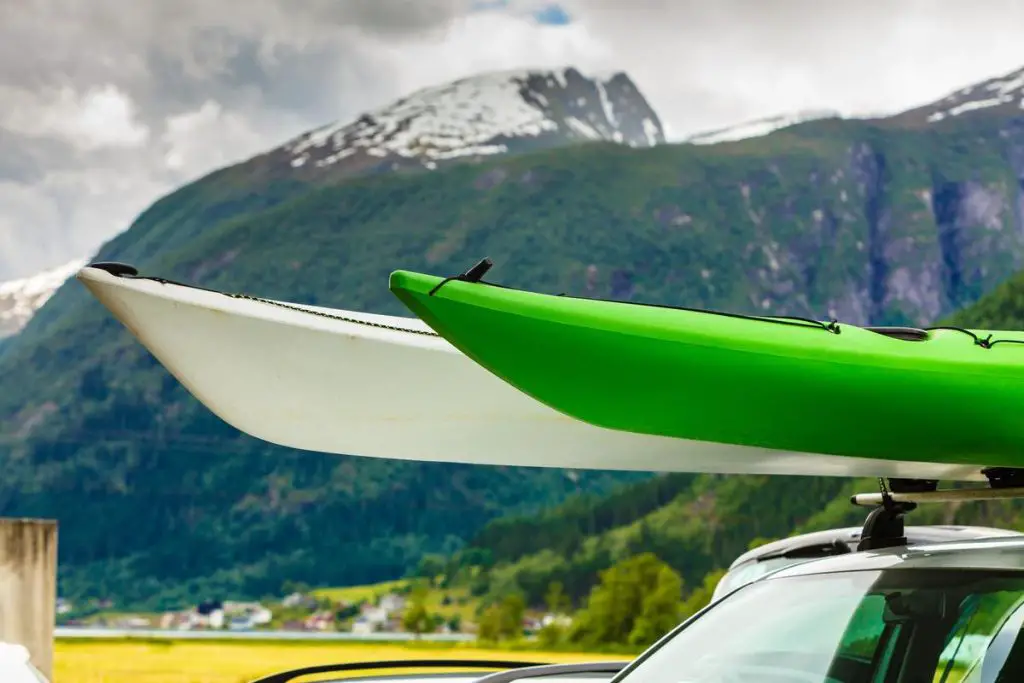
(553, 15)
(550, 15)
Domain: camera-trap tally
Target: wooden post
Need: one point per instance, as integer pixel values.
(28, 587)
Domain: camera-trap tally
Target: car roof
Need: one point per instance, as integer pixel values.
(850, 536)
(1004, 553)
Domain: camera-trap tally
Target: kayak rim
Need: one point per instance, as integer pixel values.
(129, 272)
(474, 275)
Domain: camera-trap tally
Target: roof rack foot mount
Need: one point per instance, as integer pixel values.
(1004, 477)
(884, 526)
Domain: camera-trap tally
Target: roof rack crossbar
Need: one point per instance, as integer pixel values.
(939, 496)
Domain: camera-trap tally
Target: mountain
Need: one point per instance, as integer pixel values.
(758, 127)
(20, 299)
(477, 117)
(885, 221)
(1000, 96)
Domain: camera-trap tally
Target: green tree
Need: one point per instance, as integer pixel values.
(550, 636)
(556, 599)
(477, 557)
(288, 587)
(643, 541)
(416, 619)
(636, 601)
(659, 609)
(512, 609)
(489, 626)
(430, 568)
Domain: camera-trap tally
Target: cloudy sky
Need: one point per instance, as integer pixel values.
(107, 104)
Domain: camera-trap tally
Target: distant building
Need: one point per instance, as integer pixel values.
(320, 621)
(240, 624)
(373, 615)
(299, 600)
(252, 614)
(363, 627)
(392, 603)
(208, 614)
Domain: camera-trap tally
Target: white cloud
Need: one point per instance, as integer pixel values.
(485, 42)
(208, 137)
(27, 217)
(100, 117)
(707, 64)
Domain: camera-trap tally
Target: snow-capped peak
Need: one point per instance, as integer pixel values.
(20, 299)
(759, 127)
(1002, 92)
(486, 114)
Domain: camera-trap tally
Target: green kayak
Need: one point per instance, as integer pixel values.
(942, 395)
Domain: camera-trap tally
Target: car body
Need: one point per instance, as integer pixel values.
(948, 612)
(785, 552)
(16, 665)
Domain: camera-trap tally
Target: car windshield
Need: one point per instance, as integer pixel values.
(897, 625)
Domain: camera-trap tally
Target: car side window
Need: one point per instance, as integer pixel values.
(864, 631)
(980, 647)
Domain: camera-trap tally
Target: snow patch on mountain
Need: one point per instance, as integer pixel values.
(20, 299)
(1003, 91)
(487, 114)
(759, 127)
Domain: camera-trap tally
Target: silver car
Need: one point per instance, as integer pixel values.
(948, 612)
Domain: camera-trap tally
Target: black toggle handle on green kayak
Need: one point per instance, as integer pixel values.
(904, 333)
(477, 272)
(474, 274)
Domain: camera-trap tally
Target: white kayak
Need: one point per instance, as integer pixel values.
(338, 381)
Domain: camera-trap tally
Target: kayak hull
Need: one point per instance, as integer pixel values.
(383, 386)
(788, 385)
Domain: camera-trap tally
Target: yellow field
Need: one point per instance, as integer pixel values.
(240, 662)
